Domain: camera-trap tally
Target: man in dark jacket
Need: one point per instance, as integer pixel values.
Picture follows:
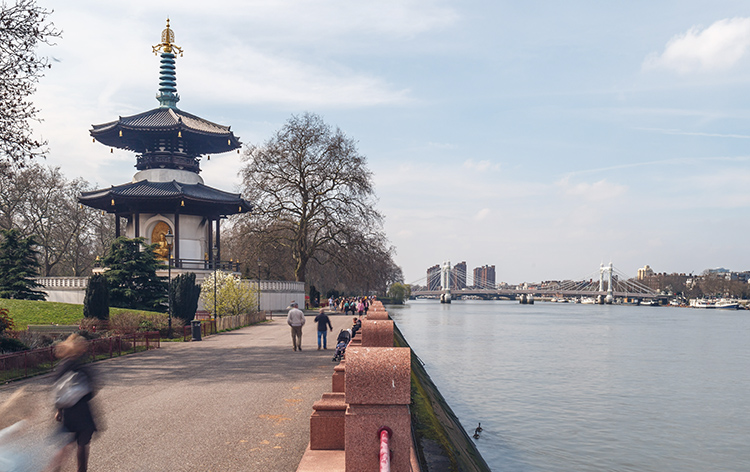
(323, 320)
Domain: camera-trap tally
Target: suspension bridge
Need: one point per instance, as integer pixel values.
(605, 285)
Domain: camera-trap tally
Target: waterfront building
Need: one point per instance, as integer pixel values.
(167, 194)
(433, 277)
(740, 276)
(484, 277)
(645, 272)
(458, 276)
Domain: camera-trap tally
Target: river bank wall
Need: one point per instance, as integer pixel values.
(382, 385)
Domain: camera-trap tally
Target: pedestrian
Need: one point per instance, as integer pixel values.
(74, 388)
(296, 319)
(16, 446)
(323, 320)
(356, 325)
(361, 308)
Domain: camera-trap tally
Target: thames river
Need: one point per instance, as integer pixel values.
(570, 387)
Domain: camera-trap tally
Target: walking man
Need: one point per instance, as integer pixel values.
(296, 319)
(323, 320)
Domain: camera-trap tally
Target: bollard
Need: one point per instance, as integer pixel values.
(377, 333)
(378, 393)
(327, 422)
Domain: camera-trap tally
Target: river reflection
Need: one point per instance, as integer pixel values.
(570, 387)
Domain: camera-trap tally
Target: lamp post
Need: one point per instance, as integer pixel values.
(215, 251)
(169, 238)
(258, 295)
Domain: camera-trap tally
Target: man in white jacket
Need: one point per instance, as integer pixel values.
(296, 319)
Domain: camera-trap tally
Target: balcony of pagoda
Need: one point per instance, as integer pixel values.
(167, 160)
(188, 265)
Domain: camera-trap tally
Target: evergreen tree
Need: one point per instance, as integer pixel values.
(184, 295)
(131, 276)
(19, 267)
(96, 300)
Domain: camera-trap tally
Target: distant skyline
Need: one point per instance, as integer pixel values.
(541, 137)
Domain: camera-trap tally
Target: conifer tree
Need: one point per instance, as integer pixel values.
(131, 276)
(185, 294)
(19, 267)
(96, 300)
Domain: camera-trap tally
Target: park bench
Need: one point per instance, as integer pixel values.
(53, 329)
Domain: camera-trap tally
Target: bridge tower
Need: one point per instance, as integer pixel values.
(606, 273)
(445, 281)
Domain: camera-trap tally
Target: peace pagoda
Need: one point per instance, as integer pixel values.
(167, 198)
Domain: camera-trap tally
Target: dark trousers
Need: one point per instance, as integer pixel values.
(297, 337)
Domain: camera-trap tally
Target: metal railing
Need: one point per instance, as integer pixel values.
(226, 266)
(19, 365)
(202, 264)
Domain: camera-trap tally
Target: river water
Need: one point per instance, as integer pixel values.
(570, 387)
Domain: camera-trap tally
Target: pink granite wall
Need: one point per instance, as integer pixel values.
(378, 392)
(377, 333)
(327, 422)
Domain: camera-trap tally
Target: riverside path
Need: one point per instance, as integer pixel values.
(236, 401)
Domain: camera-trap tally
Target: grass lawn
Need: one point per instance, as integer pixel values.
(26, 312)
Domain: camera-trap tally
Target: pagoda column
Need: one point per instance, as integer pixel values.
(177, 238)
(137, 217)
(117, 225)
(218, 239)
(210, 228)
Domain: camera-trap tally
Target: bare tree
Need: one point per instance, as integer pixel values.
(23, 26)
(312, 190)
(16, 189)
(39, 201)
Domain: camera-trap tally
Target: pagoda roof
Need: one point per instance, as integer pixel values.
(137, 132)
(166, 197)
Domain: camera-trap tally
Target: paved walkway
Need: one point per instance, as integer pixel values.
(237, 401)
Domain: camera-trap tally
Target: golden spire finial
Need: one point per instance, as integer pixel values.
(167, 42)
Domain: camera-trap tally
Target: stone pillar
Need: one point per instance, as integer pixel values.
(377, 315)
(327, 422)
(378, 392)
(338, 379)
(377, 333)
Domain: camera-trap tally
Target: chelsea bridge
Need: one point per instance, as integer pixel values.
(607, 283)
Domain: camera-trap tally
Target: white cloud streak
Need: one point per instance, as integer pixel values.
(716, 48)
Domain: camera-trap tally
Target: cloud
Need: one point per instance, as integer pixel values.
(263, 78)
(482, 214)
(596, 191)
(481, 166)
(678, 132)
(718, 47)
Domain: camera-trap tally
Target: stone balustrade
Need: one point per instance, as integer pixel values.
(73, 283)
(371, 390)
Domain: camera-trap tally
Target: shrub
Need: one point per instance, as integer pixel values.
(93, 325)
(6, 322)
(184, 294)
(129, 322)
(37, 340)
(232, 296)
(11, 345)
(96, 300)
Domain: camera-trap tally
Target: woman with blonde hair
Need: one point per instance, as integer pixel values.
(74, 389)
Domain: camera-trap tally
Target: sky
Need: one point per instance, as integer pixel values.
(541, 137)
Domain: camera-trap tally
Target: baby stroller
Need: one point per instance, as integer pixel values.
(341, 342)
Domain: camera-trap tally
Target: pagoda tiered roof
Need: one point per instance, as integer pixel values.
(166, 129)
(166, 197)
